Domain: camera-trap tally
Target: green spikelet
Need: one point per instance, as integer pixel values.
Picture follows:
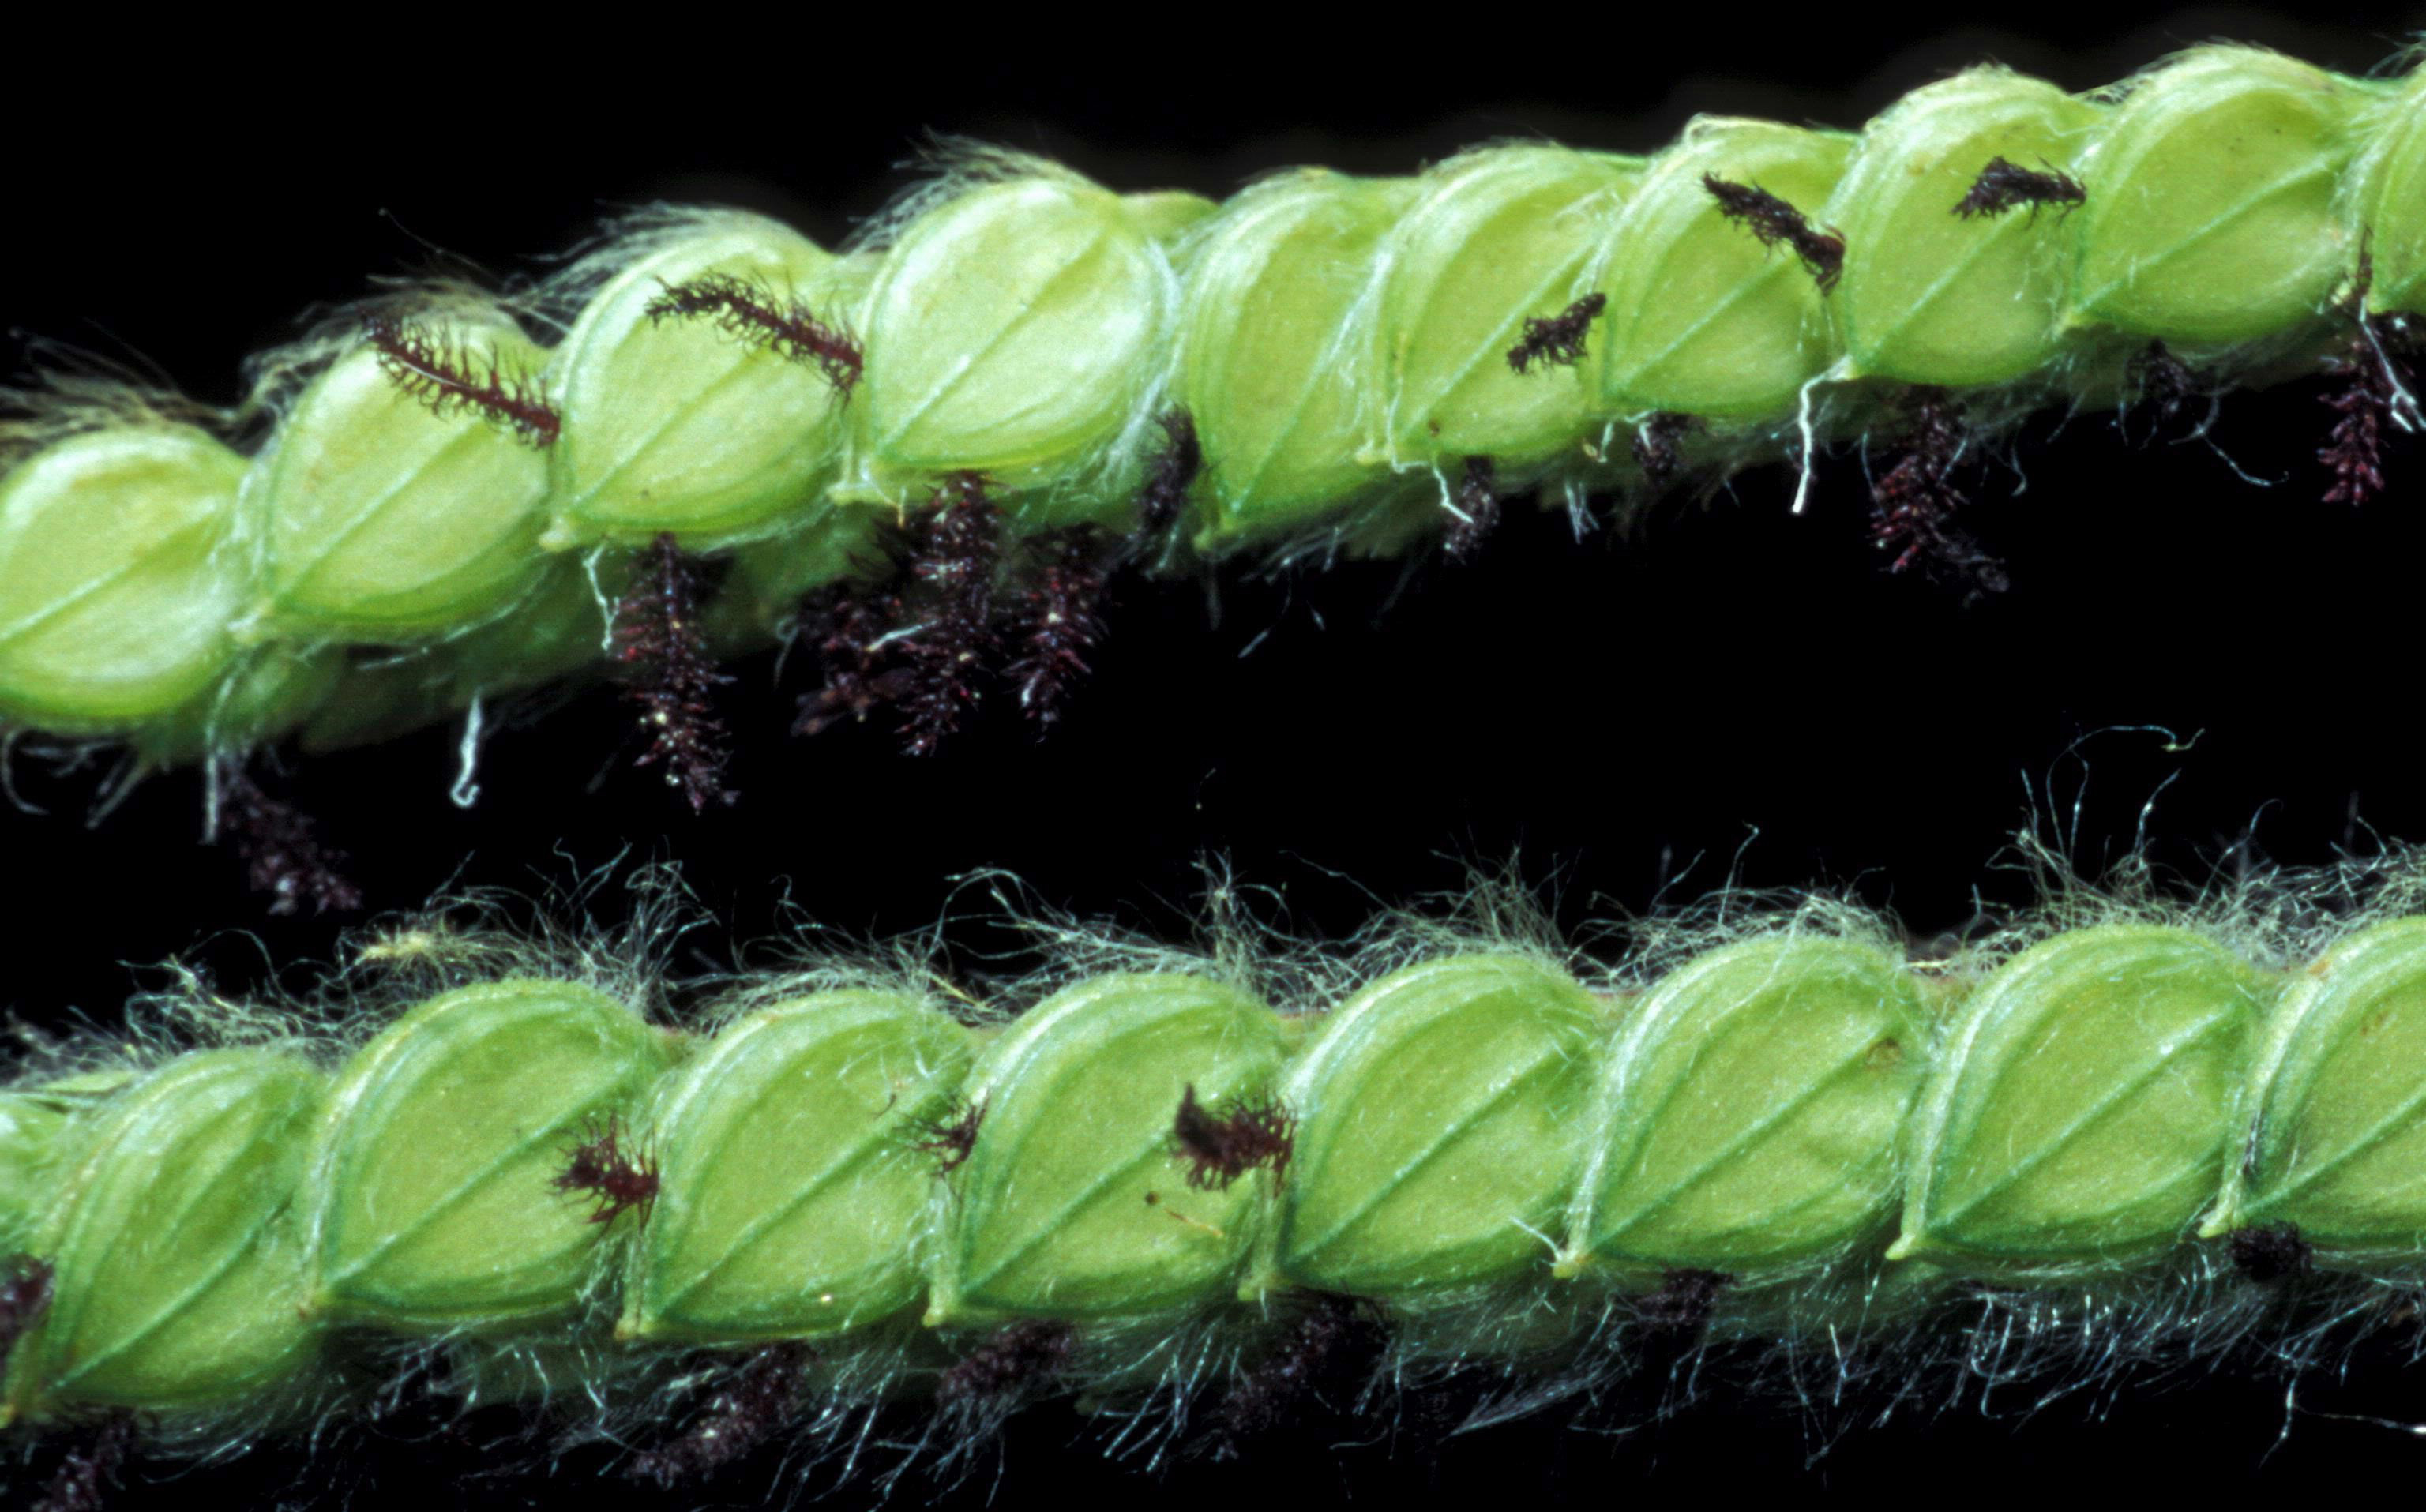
(1353, 353)
(1793, 1134)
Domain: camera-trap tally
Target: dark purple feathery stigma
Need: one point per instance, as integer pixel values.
(659, 637)
(1660, 445)
(1773, 220)
(91, 1468)
(2166, 383)
(1013, 1362)
(756, 313)
(950, 1136)
(25, 1297)
(1559, 340)
(1477, 507)
(2004, 185)
(1328, 1353)
(2369, 398)
(1914, 503)
(2269, 1253)
(953, 570)
(1172, 472)
(1223, 1145)
(746, 1411)
(1680, 1310)
(850, 632)
(280, 845)
(1058, 620)
(450, 380)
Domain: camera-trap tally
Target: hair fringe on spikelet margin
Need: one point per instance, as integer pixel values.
(70, 391)
(451, 303)
(948, 165)
(1159, 1392)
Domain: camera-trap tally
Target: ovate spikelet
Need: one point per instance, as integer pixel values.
(1319, 365)
(1453, 1145)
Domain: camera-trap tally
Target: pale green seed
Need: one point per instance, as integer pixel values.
(1495, 237)
(1749, 1112)
(379, 699)
(1166, 215)
(762, 588)
(29, 1132)
(792, 1204)
(1267, 365)
(556, 632)
(380, 520)
(1072, 1202)
(2335, 1144)
(82, 1090)
(2081, 1109)
(272, 691)
(1930, 297)
(172, 1229)
(32, 1122)
(1441, 1130)
(435, 1166)
(2392, 198)
(1014, 330)
(119, 577)
(1702, 319)
(673, 424)
(2209, 216)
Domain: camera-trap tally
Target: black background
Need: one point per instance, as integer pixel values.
(1711, 689)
